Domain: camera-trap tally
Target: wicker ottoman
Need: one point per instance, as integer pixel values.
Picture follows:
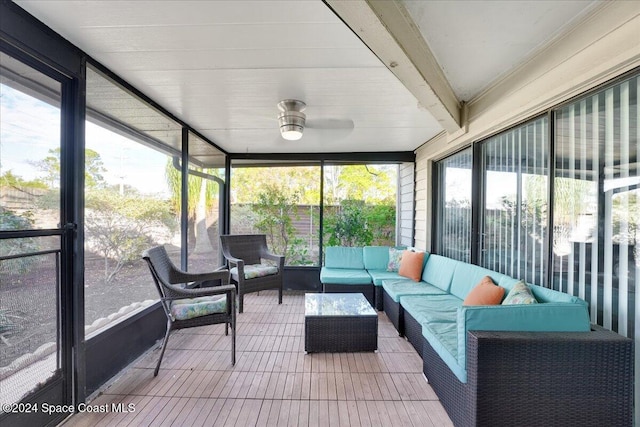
(342, 322)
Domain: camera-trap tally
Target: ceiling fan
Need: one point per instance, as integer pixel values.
(293, 121)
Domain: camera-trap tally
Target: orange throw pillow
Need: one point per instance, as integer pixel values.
(485, 293)
(411, 265)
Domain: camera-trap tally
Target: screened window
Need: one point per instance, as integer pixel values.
(282, 202)
(132, 199)
(360, 205)
(204, 201)
(514, 214)
(597, 203)
(454, 206)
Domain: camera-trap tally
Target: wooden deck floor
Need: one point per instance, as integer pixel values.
(273, 382)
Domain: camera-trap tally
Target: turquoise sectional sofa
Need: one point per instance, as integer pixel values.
(546, 358)
(357, 269)
(538, 364)
(436, 304)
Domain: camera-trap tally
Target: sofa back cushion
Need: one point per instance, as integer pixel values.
(549, 295)
(542, 294)
(376, 257)
(438, 271)
(467, 276)
(344, 257)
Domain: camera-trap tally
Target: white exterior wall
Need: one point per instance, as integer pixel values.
(422, 191)
(406, 199)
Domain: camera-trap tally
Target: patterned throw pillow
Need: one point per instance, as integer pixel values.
(395, 256)
(520, 294)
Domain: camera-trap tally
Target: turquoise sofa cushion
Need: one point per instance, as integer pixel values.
(507, 282)
(440, 336)
(467, 276)
(376, 257)
(549, 295)
(435, 308)
(344, 276)
(401, 287)
(379, 275)
(542, 294)
(438, 271)
(344, 257)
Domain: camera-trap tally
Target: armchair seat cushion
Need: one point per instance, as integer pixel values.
(253, 271)
(189, 308)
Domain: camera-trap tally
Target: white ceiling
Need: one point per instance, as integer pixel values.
(478, 42)
(222, 66)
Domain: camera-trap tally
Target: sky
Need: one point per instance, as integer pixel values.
(29, 128)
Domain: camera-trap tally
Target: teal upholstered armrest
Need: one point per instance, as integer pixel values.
(545, 317)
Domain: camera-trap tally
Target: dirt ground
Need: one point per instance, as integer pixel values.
(28, 301)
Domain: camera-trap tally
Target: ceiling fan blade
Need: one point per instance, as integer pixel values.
(328, 134)
(330, 124)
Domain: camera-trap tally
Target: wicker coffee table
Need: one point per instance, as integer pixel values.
(341, 322)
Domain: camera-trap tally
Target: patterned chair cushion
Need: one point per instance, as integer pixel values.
(252, 271)
(188, 308)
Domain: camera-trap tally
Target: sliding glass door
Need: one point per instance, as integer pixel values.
(34, 262)
(514, 210)
(597, 203)
(453, 229)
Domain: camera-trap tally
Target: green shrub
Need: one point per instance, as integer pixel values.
(120, 227)
(12, 221)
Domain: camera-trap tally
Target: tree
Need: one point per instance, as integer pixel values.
(348, 226)
(275, 208)
(372, 184)
(8, 179)
(201, 197)
(249, 181)
(94, 168)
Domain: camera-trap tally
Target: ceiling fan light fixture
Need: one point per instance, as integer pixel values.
(291, 132)
(291, 119)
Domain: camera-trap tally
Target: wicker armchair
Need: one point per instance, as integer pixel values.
(244, 255)
(187, 306)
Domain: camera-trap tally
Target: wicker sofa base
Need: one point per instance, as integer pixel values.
(393, 310)
(366, 290)
(413, 332)
(538, 379)
(378, 298)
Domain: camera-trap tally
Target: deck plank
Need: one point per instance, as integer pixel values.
(274, 382)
